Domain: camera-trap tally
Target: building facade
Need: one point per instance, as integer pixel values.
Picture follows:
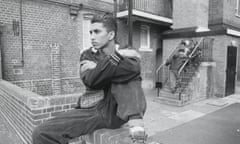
(41, 42)
(150, 19)
(216, 19)
(168, 22)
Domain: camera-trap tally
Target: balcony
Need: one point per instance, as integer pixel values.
(156, 11)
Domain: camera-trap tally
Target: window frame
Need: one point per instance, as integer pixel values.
(238, 9)
(146, 47)
(86, 17)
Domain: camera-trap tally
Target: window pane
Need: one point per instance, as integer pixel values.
(145, 36)
(238, 7)
(86, 34)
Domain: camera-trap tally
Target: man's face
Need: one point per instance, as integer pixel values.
(100, 37)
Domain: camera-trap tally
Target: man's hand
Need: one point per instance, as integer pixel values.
(87, 64)
(129, 53)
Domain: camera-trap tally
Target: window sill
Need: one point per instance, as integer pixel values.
(237, 15)
(145, 49)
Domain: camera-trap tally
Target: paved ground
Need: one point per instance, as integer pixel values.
(159, 117)
(7, 135)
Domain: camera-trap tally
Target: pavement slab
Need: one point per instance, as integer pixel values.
(7, 134)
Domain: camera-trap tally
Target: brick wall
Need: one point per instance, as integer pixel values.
(25, 110)
(0, 55)
(44, 24)
(215, 12)
(220, 57)
(148, 58)
(223, 11)
(229, 13)
(190, 13)
(201, 84)
(220, 44)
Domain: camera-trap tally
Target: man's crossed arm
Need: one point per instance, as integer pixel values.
(117, 68)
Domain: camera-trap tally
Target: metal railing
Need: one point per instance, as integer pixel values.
(155, 7)
(163, 64)
(190, 55)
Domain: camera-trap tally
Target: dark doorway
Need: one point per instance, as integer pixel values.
(231, 70)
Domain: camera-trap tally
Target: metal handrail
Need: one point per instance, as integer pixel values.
(164, 62)
(190, 55)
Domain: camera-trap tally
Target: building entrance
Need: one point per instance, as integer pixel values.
(231, 70)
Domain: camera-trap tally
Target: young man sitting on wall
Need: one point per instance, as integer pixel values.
(108, 70)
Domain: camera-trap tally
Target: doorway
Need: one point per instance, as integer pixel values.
(231, 70)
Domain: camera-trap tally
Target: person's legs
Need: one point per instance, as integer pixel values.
(68, 125)
(172, 80)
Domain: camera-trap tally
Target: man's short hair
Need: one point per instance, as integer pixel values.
(108, 21)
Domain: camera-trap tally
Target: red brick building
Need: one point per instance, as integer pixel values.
(160, 25)
(215, 19)
(41, 41)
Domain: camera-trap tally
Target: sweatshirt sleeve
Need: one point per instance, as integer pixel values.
(128, 69)
(102, 74)
(112, 69)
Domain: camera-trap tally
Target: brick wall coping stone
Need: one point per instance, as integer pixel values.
(35, 101)
(34, 109)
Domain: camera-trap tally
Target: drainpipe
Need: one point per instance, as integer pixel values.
(115, 16)
(130, 23)
(21, 23)
(115, 9)
(2, 59)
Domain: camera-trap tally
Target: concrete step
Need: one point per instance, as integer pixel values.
(170, 101)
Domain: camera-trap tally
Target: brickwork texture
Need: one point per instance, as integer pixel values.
(45, 25)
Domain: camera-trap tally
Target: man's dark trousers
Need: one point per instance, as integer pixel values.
(77, 122)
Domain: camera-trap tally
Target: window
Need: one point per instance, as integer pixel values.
(238, 8)
(86, 29)
(145, 38)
